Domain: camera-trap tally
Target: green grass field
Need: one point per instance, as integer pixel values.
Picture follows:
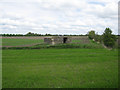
(19, 42)
(60, 68)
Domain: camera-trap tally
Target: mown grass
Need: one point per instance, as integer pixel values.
(60, 68)
(19, 42)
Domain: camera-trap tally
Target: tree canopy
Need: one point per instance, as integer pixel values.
(108, 38)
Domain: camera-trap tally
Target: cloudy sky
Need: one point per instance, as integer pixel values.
(58, 16)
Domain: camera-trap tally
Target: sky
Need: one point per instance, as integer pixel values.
(58, 16)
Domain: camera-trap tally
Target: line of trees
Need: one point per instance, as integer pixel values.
(107, 38)
(36, 34)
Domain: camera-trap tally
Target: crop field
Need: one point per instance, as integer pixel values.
(20, 42)
(60, 68)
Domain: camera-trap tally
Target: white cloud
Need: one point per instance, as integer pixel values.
(58, 16)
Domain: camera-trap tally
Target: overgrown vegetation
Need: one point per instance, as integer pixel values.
(71, 45)
(107, 38)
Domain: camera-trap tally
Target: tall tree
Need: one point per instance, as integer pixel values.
(108, 38)
(91, 34)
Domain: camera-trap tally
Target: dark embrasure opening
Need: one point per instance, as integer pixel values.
(64, 40)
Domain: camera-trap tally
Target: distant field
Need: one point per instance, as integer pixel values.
(60, 68)
(20, 42)
(31, 41)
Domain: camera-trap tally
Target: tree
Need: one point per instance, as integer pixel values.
(98, 38)
(29, 34)
(108, 38)
(91, 34)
